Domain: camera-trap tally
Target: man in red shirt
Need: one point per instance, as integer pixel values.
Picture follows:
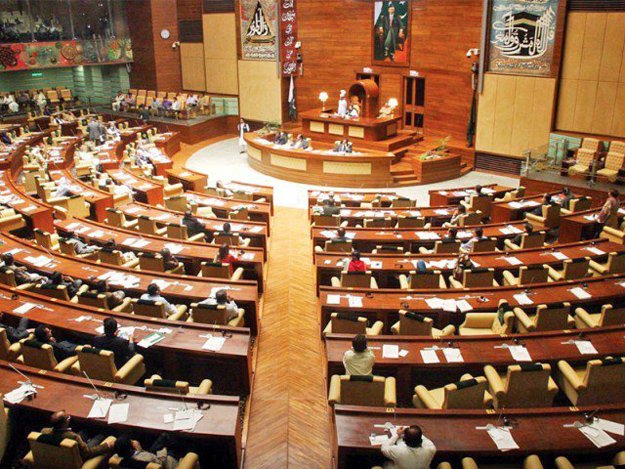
(356, 265)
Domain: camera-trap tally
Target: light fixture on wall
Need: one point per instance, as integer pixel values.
(323, 97)
(175, 45)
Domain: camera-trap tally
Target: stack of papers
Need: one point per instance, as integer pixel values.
(100, 408)
(120, 278)
(580, 293)
(18, 395)
(585, 347)
(355, 301)
(184, 419)
(520, 353)
(442, 264)
(26, 307)
(453, 355)
(596, 434)
(513, 260)
(162, 284)
(214, 344)
(502, 437)
(39, 261)
(427, 235)
(333, 299)
(429, 356)
(390, 351)
(523, 299)
(118, 413)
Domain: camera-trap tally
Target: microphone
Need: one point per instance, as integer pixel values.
(26, 378)
(97, 393)
(184, 403)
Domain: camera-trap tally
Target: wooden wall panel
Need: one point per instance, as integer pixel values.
(167, 59)
(189, 10)
(593, 74)
(618, 120)
(514, 114)
(259, 91)
(334, 49)
(220, 53)
(143, 74)
(192, 63)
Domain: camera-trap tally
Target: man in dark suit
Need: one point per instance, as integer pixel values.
(91, 448)
(391, 24)
(330, 208)
(62, 350)
(194, 226)
(122, 348)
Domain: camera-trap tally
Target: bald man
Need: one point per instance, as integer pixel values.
(60, 427)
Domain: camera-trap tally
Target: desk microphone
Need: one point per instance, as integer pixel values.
(26, 378)
(97, 393)
(184, 403)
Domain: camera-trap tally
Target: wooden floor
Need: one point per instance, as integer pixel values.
(289, 424)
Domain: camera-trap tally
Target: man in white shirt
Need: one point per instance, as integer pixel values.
(408, 449)
(359, 360)
(479, 236)
(222, 298)
(154, 294)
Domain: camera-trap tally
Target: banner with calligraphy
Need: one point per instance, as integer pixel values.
(288, 37)
(258, 29)
(522, 36)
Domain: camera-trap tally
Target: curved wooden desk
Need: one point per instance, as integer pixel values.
(216, 437)
(178, 356)
(361, 169)
(455, 435)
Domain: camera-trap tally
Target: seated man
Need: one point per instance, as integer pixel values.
(359, 360)
(123, 349)
(94, 446)
(356, 265)
(111, 245)
(158, 453)
(22, 275)
(529, 229)
(57, 279)
(117, 101)
(61, 350)
(194, 226)
(347, 146)
(113, 298)
(169, 261)
(408, 449)
(479, 236)
(154, 294)
(15, 334)
(79, 245)
(547, 200)
(222, 298)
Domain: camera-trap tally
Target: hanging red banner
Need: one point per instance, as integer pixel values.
(288, 37)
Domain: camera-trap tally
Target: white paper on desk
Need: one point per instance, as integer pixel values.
(515, 204)
(580, 293)
(328, 234)
(390, 351)
(19, 394)
(513, 260)
(441, 211)
(333, 299)
(559, 255)
(99, 408)
(168, 418)
(599, 438)
(609, 426)
(590, 217)
(464, 234)
(174, 248)
(13, 251)
(523, 299)
(350, 235)
(97, 234)
(429, 356)
(453, 355)
(118, 413)
(434, 303)
(26, 307)
(502, 438)
(464, 306)
(403, 353)
(162, 284)
(256, 229)
(141, 243)
(449, 305)
(585, 347)
(192, 417)
(520, 353)
(248, 256)
(377, 440)
(355, 301)
(596, 251)
(505, 231)
(376, 264)
(214, 344)
(129, 241)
